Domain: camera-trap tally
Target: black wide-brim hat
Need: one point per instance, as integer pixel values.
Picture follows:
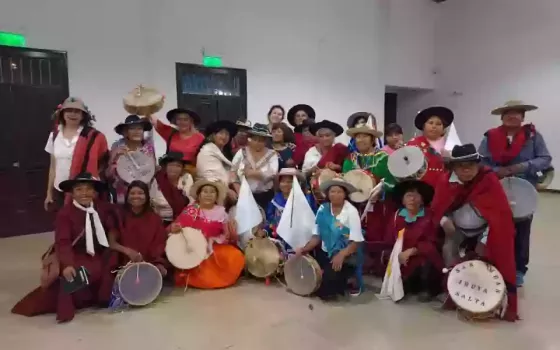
(133, 120)
(445, 114)
(68, 185)
(227, 125)
(425, 190)
(326, 124)
(172, 156)
(464, 153)
(305, 125)
(300, 107)
(191, 113)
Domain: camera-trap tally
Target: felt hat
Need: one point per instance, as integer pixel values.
(364, 126)
(133, 120)
(300, 107)
(216, 126)
(172, 156)
(305, 125)
(243, 125)
(68, 185)
(464, 153)
(425, 190)
(443, 113)
(515, 105)
(357, 117)
(290, 172)
(259, 130)
(191, 113)
(326, 124)
(217, 184)
(337, 181)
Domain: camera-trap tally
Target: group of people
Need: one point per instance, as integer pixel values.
(103, 222)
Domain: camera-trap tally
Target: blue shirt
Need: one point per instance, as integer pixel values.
(534, 157)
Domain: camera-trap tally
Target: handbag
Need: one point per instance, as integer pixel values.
(50, 269)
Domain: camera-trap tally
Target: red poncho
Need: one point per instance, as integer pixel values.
(486, 194)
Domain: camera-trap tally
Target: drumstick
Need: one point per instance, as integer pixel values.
(138, 274)
(374, 191)
(132, 160)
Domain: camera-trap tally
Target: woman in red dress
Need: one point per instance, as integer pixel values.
(432, 121)
(301, 117)
(80, 234)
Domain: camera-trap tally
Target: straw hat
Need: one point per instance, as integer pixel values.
(133, 120)
(218, 185)
(290, 172)
(243, 125)
(364, 126)
(515, 105)
(259, 130)
(68, 185)
(337, 181)
(443, 113)
(300, 107)
(73, 103)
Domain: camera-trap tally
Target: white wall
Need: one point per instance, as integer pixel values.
(492, 51)
(410, 44)
(321, 52)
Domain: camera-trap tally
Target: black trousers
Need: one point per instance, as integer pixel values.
(333, 283)
(263, 198)
(424, 278)
(522, 244)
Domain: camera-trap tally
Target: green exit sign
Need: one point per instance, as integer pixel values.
(12, 39)
(212, 61)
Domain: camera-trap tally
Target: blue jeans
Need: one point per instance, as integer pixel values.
(522, 244)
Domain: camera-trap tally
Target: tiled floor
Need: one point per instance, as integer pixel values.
(253, 316)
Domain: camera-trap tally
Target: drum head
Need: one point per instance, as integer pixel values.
(188, 249)
(406, 162)
(325, 175)
(140, 283)
(522, 196)
(476, 286)
(136, 166)
(262, 257)
(468, 218)
(302, 274)
(363, 182)
(143, 100)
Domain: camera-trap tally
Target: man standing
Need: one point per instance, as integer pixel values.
(514, 149)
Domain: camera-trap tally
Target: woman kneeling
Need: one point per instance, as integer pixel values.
(225, 261)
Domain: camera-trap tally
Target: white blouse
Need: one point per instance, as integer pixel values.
(311, 159)
(160, 204)
(63, 150)
(211, 164)
(268, 165)
(349, 217)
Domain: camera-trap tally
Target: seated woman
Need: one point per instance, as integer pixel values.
(283, 144)
(132, 132)
(224, 266)
(413, 238)
(275, 208)
(170, 188)
(80, 242)
(258, 164)
(141, 235)
(336, 241)
(215, 155)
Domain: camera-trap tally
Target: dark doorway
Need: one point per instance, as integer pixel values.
(390, 108)
(32, 83)
(214, 93)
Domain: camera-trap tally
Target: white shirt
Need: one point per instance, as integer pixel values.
(160, 204)
(211, 164)
(269, 168)
(311, 159)
(62, 149)
(348, 217)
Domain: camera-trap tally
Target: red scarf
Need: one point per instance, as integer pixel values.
(336, 154)
(172, 194)
(303, 144)
(486, 194)
(498, 144)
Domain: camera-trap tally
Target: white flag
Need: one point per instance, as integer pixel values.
(247, 212)
(297, 220)
(452, 139)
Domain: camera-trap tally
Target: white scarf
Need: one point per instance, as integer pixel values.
(392, 287)
(99, 230)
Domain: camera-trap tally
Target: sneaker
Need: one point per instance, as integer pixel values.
(424, 297)
(355, 291)
(519, 278)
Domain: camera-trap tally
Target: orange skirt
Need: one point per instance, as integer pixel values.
(222, 269)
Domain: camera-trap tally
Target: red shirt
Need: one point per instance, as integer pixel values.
(188, 146)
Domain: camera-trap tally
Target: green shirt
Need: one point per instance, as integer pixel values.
(376, 163)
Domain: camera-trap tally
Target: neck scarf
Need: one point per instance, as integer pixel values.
(93, 226)
(501, 150)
